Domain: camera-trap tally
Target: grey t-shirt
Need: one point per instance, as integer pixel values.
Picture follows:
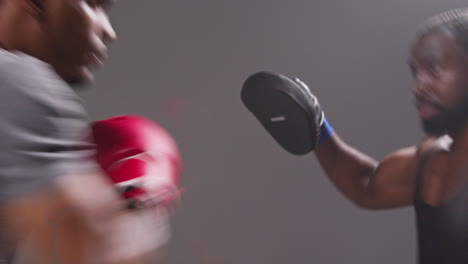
(43, 127)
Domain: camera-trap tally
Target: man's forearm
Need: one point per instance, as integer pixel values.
(348, 168)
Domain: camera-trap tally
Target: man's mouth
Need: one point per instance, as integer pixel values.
(96, 58)
(427, 111)
(428, 108)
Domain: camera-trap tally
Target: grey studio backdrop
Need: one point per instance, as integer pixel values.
(247, 201)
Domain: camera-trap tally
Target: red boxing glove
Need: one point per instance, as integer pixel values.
(140, 157)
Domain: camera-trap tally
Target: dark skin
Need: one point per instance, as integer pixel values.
(439, 66)
(70, 35)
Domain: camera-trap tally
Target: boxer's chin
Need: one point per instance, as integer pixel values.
(80, 78)
(448, 121)
(435, 126)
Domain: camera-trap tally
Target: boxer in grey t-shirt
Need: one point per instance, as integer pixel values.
(43, 127)
(55, 205)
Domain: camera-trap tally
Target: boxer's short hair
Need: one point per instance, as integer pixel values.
(453, 22)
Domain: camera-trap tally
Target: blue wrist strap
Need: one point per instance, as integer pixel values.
(326, 131)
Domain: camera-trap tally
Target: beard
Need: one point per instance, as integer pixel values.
(449, 120)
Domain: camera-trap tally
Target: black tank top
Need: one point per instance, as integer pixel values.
(442, 230)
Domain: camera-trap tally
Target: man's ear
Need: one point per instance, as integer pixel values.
(35, 8)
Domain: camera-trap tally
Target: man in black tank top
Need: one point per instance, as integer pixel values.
(432, 175)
